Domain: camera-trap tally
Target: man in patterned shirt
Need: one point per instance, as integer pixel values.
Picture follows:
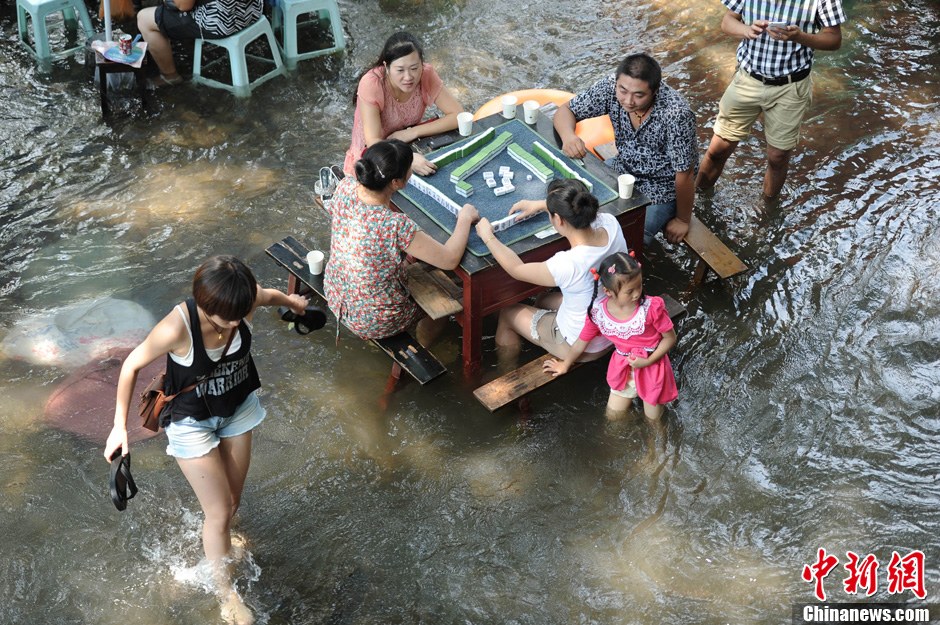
(654, 130)
(775, 57)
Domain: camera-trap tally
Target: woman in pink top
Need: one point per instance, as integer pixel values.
(392, 98)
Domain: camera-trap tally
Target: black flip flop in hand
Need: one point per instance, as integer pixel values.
(122, 484)
(313, 319)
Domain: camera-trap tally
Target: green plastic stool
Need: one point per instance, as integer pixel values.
(238, 59)
(286, 14)
(37, 10)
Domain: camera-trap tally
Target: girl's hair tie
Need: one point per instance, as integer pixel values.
(611, 269)
(631, 254)
(595, 274)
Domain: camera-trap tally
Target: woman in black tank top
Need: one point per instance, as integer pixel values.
(214, 461)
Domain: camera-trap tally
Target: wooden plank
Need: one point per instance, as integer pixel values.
(606, 151)
(712, 251)
(430, 293)
(402, 348)
(529, 377)
(510, 387)
(411, 356)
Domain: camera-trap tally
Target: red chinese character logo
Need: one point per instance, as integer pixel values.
(819, 570)
(907, 573)
(862, 574)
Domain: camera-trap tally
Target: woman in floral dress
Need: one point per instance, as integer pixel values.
(363, 280)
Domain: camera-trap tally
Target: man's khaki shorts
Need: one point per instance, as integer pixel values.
(783, 107)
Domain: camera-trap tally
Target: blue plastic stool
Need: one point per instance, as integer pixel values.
(238, 59)
(37, 10)
(286, 14)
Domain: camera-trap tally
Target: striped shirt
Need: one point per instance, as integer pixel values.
(774, 59)
(221, 18)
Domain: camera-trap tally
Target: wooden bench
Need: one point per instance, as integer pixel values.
(407, 353)
(433, 290)
(529, 377)
(711, 252)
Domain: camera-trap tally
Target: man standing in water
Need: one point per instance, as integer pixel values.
(775, 57)
(654, 130)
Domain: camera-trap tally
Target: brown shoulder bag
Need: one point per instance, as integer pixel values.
(154, 402)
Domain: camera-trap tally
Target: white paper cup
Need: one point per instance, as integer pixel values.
(464, 124)
(625, 185)
(509, 106)
(315, 261)
(530, 110)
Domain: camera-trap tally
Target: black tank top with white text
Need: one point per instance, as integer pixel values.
(220, 386)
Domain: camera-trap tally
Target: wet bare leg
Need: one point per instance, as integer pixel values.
(778, 164)
(430, 329)
(157, 43)
(514, 323)
(618, 407)
(717, 155)
(653, 412)
(218, 479)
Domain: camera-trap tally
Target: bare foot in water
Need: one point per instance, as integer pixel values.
(235, 612)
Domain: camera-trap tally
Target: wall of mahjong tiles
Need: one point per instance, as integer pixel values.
(495, 207)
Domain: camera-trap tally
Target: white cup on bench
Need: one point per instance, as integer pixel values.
(315, 260)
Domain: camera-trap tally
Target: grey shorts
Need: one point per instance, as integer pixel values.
(545, 333)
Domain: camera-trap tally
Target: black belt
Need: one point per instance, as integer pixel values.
(782, 80)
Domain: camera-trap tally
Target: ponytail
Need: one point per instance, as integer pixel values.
(590, 307)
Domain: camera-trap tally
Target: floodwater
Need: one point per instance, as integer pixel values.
(808, 410)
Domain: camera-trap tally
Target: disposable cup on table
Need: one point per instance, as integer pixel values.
(509, 106)
(530, 110)
(465, 124)
(625, 184)
(315, 260)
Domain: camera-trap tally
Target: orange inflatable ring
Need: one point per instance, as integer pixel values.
(594, 132)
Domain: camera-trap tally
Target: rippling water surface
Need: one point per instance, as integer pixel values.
(808, 409)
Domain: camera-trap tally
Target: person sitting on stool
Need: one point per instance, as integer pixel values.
(186, 20)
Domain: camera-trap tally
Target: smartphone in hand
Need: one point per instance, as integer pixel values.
(778, 25)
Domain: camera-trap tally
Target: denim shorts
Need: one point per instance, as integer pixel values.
(189, 438)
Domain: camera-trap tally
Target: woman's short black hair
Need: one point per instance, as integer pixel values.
(383, 162)
(570, 199)
(224, 286)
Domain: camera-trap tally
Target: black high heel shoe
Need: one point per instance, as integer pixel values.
(313, 319)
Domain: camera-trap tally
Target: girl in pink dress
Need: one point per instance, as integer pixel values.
(392, 98)
(642, 334)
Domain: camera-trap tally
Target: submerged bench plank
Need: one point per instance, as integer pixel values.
(515, 384)
(402, 347)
